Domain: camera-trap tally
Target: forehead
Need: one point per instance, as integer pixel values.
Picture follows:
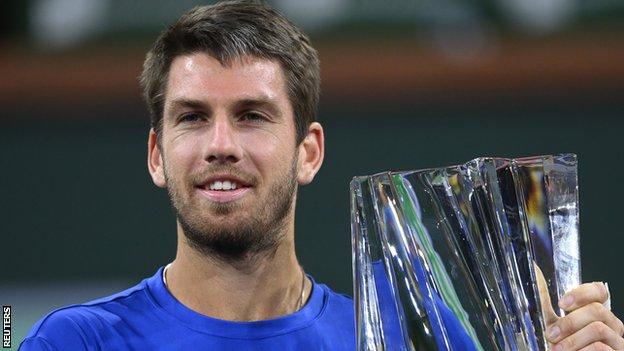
(199, 76)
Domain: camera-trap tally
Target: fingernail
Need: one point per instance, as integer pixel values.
(553, 333)
(557, 348)
(607, 303)
(567, 301)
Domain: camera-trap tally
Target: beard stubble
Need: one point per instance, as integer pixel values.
(258, 233)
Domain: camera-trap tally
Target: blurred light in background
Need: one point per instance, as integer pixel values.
(539, 16)
(59, 24)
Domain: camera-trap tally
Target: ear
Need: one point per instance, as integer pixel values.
(311, 153)
(155, 161)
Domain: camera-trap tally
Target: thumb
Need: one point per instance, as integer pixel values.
(548, 312)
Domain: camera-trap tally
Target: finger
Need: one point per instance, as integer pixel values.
(548, 312)
(582, 317)
(584, 294)
(590, 334)
(597, 346)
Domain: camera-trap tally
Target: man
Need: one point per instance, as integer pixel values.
(233, 91)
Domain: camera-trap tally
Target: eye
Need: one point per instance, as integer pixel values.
(190, 117)
(253, 117)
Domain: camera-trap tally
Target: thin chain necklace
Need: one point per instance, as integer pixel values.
(299, 301)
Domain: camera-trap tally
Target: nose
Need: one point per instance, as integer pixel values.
(223, 146)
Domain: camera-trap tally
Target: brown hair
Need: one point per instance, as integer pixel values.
(230, 30)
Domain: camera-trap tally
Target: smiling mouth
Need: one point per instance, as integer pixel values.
(224, 189)
(224, 185)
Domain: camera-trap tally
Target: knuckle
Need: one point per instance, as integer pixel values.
(565, 324)
(567, 344)
(598, 310)
(599, 330)
(594, 346)
(601, 289)
(598, 346)
(620, 327)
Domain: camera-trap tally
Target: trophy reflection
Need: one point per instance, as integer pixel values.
(467, 257)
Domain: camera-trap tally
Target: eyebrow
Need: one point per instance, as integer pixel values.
(182, 103)
(261, 102)
(247, 103)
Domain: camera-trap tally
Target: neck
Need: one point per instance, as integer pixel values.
(253, 288)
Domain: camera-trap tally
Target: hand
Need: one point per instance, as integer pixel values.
(588, 324)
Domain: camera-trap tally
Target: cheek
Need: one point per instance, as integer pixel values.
(268, 152)
(182, 154)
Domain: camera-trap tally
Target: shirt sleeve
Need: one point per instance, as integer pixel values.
(36, 343)
(59, 331)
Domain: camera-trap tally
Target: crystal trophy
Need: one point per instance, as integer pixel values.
(467, 257)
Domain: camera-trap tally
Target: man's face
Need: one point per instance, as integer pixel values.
(228, 152)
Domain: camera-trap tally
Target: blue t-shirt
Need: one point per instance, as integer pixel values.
(148, 317)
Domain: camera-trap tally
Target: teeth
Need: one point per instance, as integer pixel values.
(223, 185)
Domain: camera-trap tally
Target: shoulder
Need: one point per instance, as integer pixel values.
(337, 321)
(338, 305)
(36, 343)
(77, 327)
(343, 300)
(58, 330)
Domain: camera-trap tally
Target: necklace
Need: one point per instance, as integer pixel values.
(300, 301)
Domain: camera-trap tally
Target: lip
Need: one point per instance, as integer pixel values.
(221, 196)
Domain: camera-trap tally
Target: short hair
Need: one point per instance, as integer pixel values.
(229, 30)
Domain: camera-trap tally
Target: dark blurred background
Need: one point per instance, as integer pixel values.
(406, 84)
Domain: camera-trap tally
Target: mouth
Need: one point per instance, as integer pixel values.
(223, 189)
(224, 185)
